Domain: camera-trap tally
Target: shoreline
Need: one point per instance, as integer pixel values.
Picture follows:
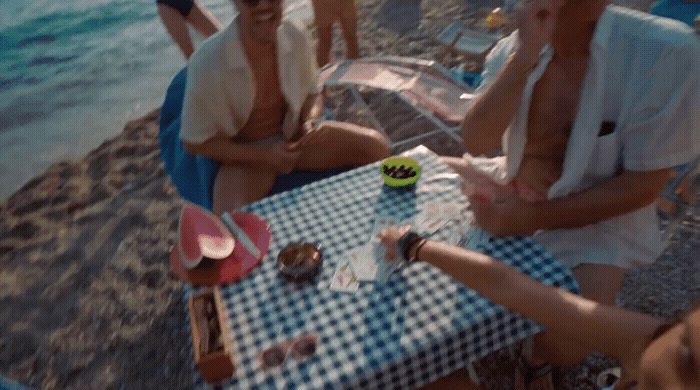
(88, 297)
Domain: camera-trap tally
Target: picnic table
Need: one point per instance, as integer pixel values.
(419, 325)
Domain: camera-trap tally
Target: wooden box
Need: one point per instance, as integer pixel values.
(211, 336)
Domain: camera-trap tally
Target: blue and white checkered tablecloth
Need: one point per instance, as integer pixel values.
(417, 327)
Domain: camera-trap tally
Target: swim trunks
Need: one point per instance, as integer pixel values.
(182, 6)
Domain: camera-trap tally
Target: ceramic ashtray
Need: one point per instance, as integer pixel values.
(400, 171)
(300, 261)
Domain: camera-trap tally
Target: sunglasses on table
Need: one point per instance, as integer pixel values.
(300, 347)
(255, 3)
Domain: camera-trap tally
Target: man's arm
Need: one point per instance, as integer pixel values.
(279, 156)
(607, 329)
(311, 109)
(494, 109)
(619, 195)
(309, 115)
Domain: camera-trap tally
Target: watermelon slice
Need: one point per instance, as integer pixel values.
(202, 235)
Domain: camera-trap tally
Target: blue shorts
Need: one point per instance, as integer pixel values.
(182, 6)
(194, 176)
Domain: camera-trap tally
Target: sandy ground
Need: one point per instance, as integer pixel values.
(87, 297)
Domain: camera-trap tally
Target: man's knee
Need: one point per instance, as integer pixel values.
(368, 144)
(378, 147)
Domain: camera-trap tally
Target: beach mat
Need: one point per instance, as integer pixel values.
(400, 16)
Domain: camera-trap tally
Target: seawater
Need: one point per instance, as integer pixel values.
(73, 72)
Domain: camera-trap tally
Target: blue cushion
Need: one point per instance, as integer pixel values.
(677, 9)
(193, 176)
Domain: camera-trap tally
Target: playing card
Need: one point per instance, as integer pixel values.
(377, 251)
(384, 267)
(344, 278)
(381, 223)
(431, 218)
(362, 262)
(474, 238)
(452, 210)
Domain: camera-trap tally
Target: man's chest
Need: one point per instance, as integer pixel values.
(555, 100)
(266, 80)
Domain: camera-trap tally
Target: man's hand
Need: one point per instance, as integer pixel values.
(389, 238)
(283, 156)
(504, 217)
(536, 20)
(310, 135)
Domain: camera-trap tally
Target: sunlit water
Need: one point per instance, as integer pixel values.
(73, 72)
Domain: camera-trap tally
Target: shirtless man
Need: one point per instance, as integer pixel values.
(252, 104)
(593, 105)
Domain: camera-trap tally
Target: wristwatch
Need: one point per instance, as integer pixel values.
(406, 242)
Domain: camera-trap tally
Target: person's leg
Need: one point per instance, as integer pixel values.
(324, 17)
(203, 20)
(236, 186)
(325, 35)
(348, 22)
(177, 28)
(340, 145)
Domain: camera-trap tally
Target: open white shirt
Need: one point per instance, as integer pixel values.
(220, 89)
(642, 76)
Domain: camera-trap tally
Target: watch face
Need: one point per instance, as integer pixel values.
(299, 261)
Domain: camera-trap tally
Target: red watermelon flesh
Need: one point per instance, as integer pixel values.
(202, 234)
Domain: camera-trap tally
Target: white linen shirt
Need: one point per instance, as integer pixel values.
(642, 76)
(220, 89)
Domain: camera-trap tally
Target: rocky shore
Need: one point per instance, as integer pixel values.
(87, 297)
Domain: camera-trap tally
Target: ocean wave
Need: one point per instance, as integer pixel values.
(38, 39)
(31, 107)
(65, 24)
(73, 72)
(50, 60)
(7, 83)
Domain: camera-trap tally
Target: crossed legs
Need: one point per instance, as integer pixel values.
(338, 145)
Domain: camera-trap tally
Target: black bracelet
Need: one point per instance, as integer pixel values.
(418, 247)
(405, 242)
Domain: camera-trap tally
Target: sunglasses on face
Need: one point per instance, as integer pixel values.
(301, 347)
(255, 3)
